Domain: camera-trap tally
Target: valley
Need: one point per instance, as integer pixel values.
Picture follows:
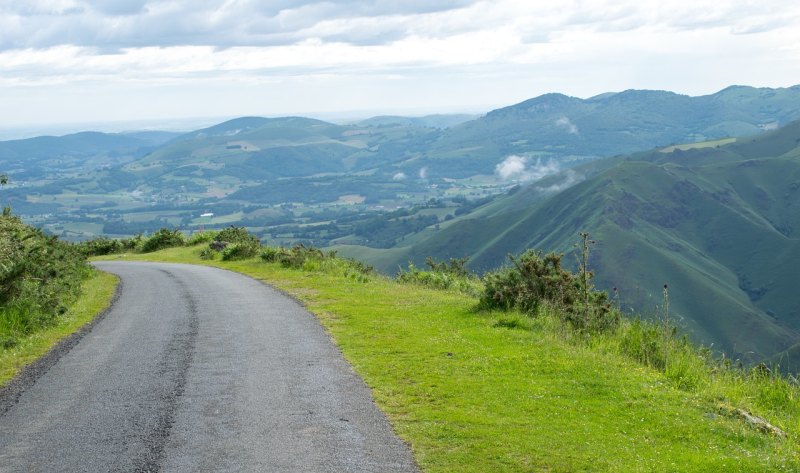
(709, 209)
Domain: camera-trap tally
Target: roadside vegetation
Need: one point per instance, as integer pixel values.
(531, 368)
(40, 277)
(47, 291)
(96, 295)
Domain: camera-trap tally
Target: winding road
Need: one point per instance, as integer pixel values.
(197, 369)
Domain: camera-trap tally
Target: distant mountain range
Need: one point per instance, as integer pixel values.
(555, 125)
(550, 127)
(719, 223)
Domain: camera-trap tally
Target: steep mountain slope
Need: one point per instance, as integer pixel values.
(555, 125)
(718, 224)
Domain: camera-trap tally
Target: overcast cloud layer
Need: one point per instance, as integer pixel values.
(95, 60)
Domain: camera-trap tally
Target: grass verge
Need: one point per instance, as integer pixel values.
(97, 292)
(490, 391)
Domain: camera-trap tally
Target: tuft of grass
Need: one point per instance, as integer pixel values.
(97, 292)
(452, 275)
(477, 391)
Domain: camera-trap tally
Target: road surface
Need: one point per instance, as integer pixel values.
(198, 369)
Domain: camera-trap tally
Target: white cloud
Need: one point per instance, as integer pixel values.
(400, 176)
(423, 173)
(298, 56)
(567, 124)
(511, 167)
(518, 168)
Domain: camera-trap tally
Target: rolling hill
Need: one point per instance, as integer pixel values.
(44, 156)
(248, 160)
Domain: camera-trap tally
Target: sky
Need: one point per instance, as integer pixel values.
(74, 62)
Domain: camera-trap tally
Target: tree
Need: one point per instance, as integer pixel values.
(4, 181)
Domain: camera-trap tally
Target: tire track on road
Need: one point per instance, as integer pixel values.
(174, 367)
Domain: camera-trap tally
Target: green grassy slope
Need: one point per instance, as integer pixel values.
(718, 224)
(470, 394)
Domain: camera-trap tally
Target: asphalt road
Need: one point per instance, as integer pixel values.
(198, 369)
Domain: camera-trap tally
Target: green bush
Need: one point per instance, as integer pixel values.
(163, 238)
(100, 246)
(536, 279)
(239, 251)
(270, 254)
(201, 237)
(234, 234)
(235, 243)
(531, 280)
(134, 243)
(40, 277)
(208, 254)
(297, 256)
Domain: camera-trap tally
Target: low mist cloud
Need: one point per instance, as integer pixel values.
(519, 168)
(400, 176)
(423, 173)
(567, 124)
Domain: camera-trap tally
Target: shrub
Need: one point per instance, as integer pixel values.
(100, 246)
(532, 279)
(239, 251)
(163, 238)
(208, 254)
(455, 266)
(297, 256)
(234, 234)
(201, 237)
(134, 243)
(39, 277)
(535, 279)
(235, 243)
(270, 254)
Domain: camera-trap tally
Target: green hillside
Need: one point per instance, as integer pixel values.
(62, 156)
(718, 224)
